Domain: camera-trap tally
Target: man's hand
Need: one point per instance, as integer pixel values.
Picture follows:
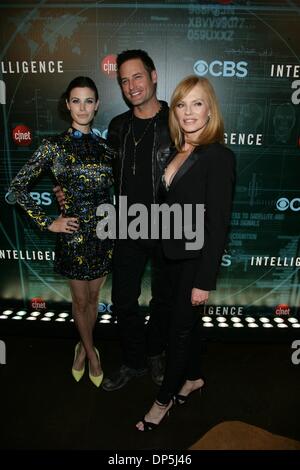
(64, 225)
(199, 296)
(60, 196)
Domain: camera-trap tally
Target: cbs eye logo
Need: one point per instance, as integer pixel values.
(218, 68)
(284, 204)
(104, 308)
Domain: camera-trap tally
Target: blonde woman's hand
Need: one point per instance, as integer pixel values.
(199, 296)
(64, 225)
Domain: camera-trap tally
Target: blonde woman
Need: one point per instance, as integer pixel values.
(200, 171)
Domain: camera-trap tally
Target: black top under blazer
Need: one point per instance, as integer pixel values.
(206, 177)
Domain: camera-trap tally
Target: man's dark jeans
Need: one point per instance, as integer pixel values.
(129, 263)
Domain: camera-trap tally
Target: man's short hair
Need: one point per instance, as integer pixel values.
(135, 54)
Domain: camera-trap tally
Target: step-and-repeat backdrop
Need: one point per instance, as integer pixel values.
(248, 49)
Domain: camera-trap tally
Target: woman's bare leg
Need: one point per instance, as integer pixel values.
(190, 386)
(94, 287)
(80, 310)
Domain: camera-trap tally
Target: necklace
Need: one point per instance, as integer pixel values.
(136, 142)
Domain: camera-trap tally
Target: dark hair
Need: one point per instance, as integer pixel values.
(135, 54)
(81, 82)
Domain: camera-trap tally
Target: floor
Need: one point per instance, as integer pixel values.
(44, 408)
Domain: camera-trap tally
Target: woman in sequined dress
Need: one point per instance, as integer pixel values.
(81, 163)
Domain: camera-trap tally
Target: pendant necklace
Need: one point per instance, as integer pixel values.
(136, 142)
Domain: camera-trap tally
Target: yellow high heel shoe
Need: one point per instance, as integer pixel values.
(77, 374)
(96, 379)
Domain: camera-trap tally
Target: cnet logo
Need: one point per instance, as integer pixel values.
(217, 68)
(22, 135)
(282, 309)
(37, 303)
(109, 65)
(283, 204)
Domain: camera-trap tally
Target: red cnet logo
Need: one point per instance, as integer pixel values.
(37, 303)
(282, 309)
(109, 65)
(22, 135)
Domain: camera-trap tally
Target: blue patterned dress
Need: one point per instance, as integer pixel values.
(82, 165)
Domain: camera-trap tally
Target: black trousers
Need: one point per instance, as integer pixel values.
(184, 343)
(129, 262)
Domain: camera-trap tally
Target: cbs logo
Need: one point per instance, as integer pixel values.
(226, 261)
(103, 308)
(284, 204)
(42, 199)
(217, 68)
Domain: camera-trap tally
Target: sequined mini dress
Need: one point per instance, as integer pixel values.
(82, 165)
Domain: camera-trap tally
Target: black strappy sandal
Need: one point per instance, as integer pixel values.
(148, 425)
(182, 399)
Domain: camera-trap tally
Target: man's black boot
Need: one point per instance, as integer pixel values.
(120, 377)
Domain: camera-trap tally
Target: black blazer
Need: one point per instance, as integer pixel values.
(206, 177)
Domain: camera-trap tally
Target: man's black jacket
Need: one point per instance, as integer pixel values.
(118, 132)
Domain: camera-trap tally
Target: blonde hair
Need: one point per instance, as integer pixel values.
(214, 130)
